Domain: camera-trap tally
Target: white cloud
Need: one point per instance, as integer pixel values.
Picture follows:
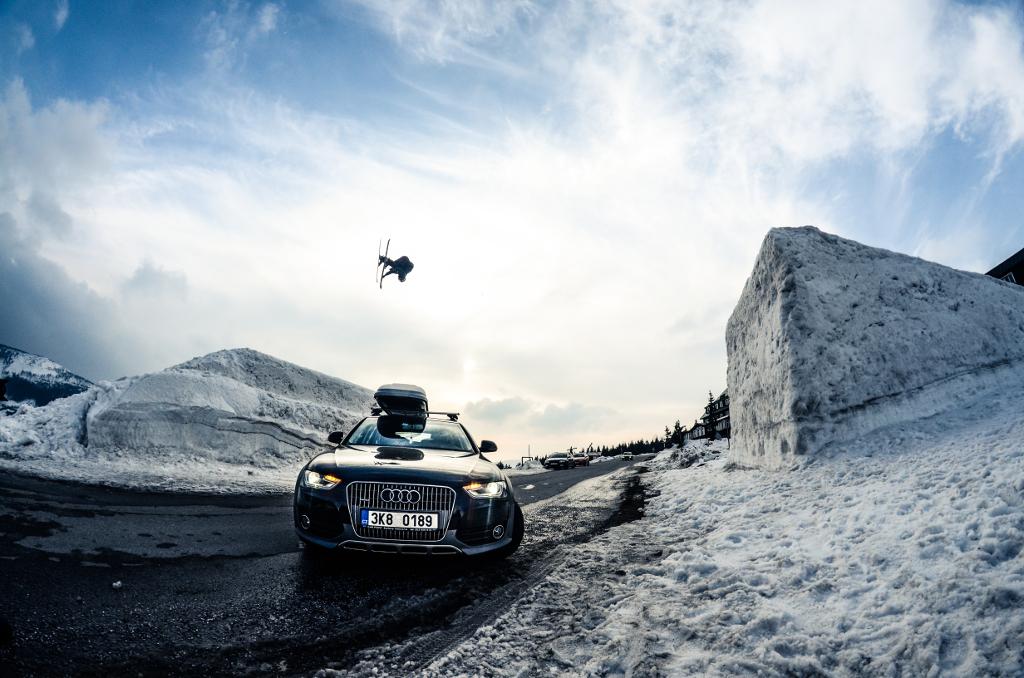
(221, 42)
(152, 284)
(449, 31)
(46, 156)
(497, 411)
(46, 214)
(267, 19)
(570, 419)
(229, 33)
(990, 78)
(26, 39)
(801, 81)
(574, 419)
(60, 15)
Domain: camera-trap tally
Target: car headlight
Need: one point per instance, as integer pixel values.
(320, 481)
(492, 490)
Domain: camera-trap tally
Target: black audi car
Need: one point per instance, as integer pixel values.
(407, 481)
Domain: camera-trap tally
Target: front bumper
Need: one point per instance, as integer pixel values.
(469, 532)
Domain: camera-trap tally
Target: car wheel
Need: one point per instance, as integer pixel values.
(518, 530)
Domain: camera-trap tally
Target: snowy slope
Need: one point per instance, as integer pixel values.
(37, 379)
(234, 420)
(832, 339)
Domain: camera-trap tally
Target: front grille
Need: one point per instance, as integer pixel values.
(433, 499)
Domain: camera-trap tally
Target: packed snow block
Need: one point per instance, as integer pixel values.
(236, 407)
(832, 339)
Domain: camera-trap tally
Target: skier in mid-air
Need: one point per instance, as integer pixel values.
(401, 266)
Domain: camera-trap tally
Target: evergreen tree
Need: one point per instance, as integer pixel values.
(677, 433)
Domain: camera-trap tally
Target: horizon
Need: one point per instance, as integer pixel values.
(582, 188)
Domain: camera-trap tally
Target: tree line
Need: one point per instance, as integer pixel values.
(673, 437)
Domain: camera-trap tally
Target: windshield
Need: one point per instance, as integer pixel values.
(436, 435)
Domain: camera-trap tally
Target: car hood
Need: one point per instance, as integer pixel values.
(362, 462)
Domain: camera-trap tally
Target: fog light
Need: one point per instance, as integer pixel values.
(304, 521)
(498, 531)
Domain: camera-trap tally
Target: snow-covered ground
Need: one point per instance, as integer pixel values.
(901, 555)
(231, 421)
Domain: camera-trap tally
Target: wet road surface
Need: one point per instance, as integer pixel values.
(96, 581)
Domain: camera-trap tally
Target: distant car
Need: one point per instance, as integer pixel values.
(627, 455)
(559, 460)
(581, 459)
(404, 482)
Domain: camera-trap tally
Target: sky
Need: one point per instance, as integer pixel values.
(582, 186)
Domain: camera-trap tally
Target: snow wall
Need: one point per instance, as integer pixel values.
(236, 407)
(832, 339)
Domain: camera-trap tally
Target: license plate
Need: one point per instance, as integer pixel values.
(399, 520)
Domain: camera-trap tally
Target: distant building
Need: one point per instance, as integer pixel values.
(716, 417)
(714, 423)
(1011, 270)
(696, 432)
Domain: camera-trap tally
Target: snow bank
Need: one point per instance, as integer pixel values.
(526, 468)
(234, 420)
(832, 339)
(690, 454)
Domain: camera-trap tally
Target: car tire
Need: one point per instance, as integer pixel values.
(518, 530)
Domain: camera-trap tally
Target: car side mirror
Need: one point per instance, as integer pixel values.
(488, 446)
(335, 437)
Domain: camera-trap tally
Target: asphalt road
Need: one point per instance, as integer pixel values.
(97, 581)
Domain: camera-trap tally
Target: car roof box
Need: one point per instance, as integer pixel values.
(402, 399)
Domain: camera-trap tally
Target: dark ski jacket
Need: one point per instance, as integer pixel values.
(402, 266)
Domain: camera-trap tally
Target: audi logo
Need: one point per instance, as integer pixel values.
(400, 496)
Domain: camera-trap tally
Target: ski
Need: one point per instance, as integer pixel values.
(377, 277)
